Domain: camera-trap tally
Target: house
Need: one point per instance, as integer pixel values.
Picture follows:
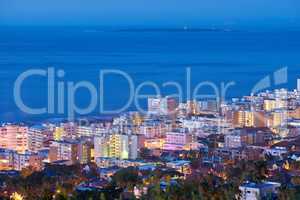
(182, 166)
(295, 156)
(257, 191)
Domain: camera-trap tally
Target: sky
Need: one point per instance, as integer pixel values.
(150, 12)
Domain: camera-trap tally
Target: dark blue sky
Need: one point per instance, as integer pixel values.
(150, 12)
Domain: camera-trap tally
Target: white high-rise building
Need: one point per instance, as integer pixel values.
(63, 151)
(298, 84)
(116, 146)
(100, 147)
(133, 146)
(157, 105)
(36, 137)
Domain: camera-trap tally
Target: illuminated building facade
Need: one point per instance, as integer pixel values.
(177, 140)
(36, 137)
(84, 152)
(63, 151)
(59, 133)
(116, 146)
(6, 159)
(154, 143)
(249, 119)
(162, 105)
(14, 137)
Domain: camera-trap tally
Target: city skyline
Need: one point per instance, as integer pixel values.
(149, 100)
(247, 129)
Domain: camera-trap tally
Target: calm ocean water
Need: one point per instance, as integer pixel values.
(146, 55)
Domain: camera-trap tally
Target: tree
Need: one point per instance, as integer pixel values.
(127, 178)
(296, 180)
(25, 172)
(286, 193)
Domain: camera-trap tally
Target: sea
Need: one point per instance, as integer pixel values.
(136, 61)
